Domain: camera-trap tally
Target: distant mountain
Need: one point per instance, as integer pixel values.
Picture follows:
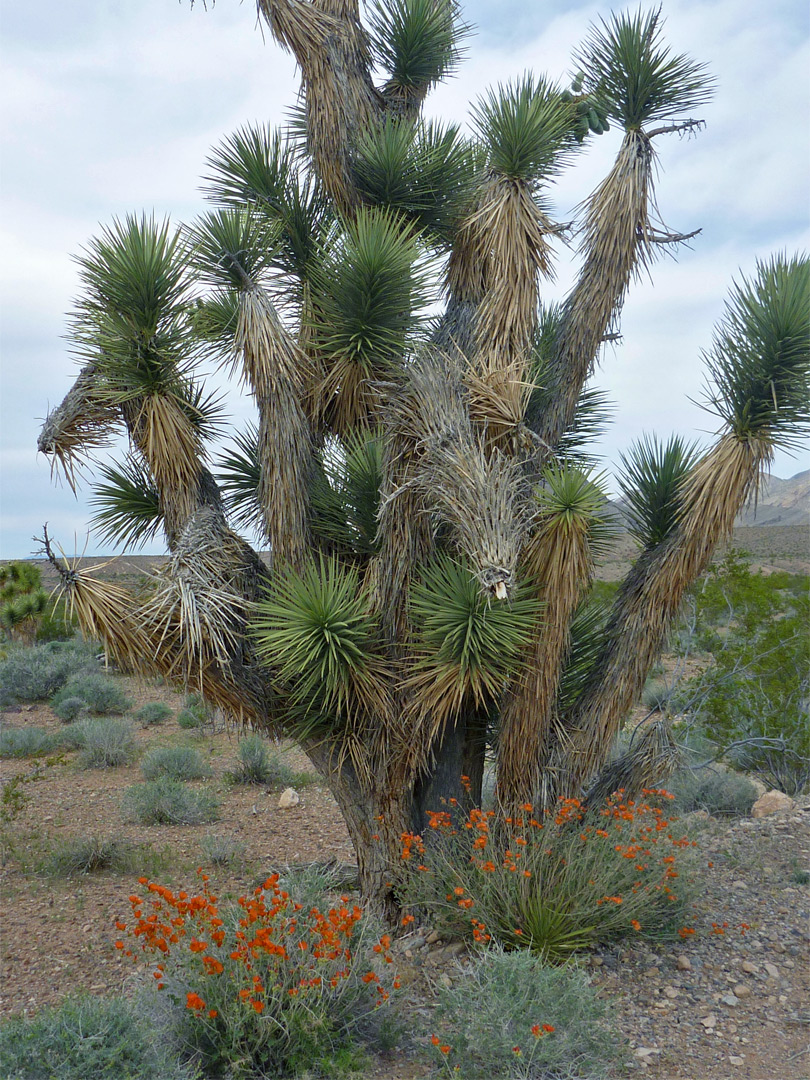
(780, 502)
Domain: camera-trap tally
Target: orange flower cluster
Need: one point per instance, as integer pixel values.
(542, 846)
(271, 922)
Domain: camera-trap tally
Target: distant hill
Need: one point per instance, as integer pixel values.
(780, 502)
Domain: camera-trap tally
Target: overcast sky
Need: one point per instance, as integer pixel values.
(111, 108)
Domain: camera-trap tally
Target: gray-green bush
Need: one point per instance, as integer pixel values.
(70, 708)
(39, 671)
(717, 791)
(259, 765)
(155, 712)
(503, 1000)
(104, 742)
(26, 742)
(221, 850)
(168, 802)
(84, 1037)
(94, 854)
(177, 762)
(101, 694)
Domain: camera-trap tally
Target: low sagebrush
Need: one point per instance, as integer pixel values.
(155, 712)
(91, 855)
(38, 672)
(26, 742)
(104, 742)
(101, 694)
(168, 802)
(86, 1036)
(177, 762)
(509, 1016)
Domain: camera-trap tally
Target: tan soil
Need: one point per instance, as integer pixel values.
(58, 934)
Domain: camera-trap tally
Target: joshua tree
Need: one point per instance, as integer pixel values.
(420, 480)
(23, 601)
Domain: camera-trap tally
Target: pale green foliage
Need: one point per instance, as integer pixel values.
(491, 1007)
(168, 802)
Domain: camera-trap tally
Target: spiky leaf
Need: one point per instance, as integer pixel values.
(653, 473)
(525, 126)
(760, 360)
(315, 630)
(416, 41)
(466, 643)
(128, 506)
(635, 76)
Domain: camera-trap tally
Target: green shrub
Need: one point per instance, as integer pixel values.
(196, 713)
(177, 762)
(557, 885)
(189, 719)
(221, 850)
(656, 695)
(101, 694)
(105, 742)
(259, 765)
(38, 672)
(92, 855)
(754, 695)
(26, 742)
(720, 793)
(509, 1016)
(168, 802)
(282, 988)
(70, 708)
(153, 713)
(84, 1037)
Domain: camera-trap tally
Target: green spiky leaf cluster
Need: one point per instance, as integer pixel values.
(345, 494)
(587, 638)
(573, 499)
(368, 292)
(132, 317)
(526, 128)
(425, 172)
(233, 248)
(315, 630)
(652, 475)
(416, 42)
(760, 359)
(256, 168)
(462, 636)
(638, 78)
(128, 511)
(240, 474)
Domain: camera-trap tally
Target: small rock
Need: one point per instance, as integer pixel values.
(596, 961)
(772, 802)
(739, 885)
(741, 990)
(433, 937)
(735, 1059)
(730, 1000)
(289, 797)
(652, 972)
(646, 1051)
(709, 1021)
(445, 981)
(749, 968)
(670, 992)
(772, 969)
(683, 963)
